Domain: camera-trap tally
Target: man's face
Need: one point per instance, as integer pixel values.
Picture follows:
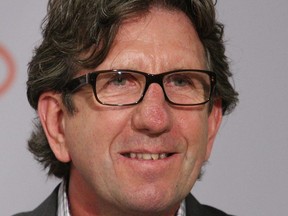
(100, 140)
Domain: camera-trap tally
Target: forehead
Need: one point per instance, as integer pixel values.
(158, 40)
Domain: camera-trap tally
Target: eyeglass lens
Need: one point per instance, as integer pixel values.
(120, 88)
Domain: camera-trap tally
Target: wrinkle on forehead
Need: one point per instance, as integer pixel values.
(152, 40)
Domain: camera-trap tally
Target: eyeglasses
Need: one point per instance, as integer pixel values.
(127, 87)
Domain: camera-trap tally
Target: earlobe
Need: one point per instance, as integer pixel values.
(214, 122)
(50, 111)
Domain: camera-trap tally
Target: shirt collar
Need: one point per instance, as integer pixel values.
(63, 204)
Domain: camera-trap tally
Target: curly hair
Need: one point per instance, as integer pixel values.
(73, 27)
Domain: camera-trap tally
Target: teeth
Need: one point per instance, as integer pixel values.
(147, 156)
(133, 155)
(155, 156)
(162, 156)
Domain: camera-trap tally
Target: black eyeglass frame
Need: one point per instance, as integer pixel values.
(90, 78)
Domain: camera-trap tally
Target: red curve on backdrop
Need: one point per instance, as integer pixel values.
(11, 70)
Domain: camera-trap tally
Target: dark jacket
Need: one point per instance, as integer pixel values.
(193, 207)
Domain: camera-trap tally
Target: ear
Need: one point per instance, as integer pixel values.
(214, 122)
(51, 114)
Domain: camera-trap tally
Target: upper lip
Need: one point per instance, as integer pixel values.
(148, 151)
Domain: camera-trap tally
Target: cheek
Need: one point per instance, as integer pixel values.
(80, 139)
(90, 135)
(88, 151)
(193, 127)
(195, 130)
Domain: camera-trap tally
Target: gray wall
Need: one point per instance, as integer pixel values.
(247, 174)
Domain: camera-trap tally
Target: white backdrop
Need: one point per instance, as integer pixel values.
(247, 174)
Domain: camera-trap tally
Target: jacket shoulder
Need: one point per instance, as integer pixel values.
(194, 208)
(46, 208)
(213, 211)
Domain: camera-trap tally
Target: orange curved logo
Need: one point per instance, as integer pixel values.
(9, 71)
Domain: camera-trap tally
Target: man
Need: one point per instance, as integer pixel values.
(130, 96)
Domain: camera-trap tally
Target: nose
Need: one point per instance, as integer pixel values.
(152, 115)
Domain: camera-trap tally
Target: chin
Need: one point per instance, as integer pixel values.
(152, 201)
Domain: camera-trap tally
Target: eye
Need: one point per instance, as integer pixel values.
(118, 80)
(121, 80)
(179, 80)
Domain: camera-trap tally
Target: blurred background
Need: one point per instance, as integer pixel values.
(247, 173)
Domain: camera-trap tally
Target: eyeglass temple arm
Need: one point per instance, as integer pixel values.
(77, 83)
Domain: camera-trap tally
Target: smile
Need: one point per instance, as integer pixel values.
(147, 156)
